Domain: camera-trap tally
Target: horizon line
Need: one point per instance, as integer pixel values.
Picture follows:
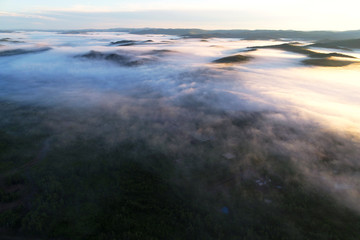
(169, 28)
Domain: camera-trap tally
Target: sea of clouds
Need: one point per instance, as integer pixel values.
(306, 113)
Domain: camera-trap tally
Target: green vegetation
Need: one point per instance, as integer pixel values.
(154, 184)
(304, 50)
(122, 60)
(249, 34)
(130, 42)
(233, 59)
(235, 33)
(124, 43)
(328, 62)
(315, 58)
(341, 44)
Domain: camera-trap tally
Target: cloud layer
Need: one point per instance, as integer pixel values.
(244, 118)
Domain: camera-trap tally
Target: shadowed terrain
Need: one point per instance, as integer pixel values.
(304, 50)
(130, 42)
(315, 58)
(123, 60)
(327, 62)
(13, 52)
(151, 142)
(233, 59)
(343, 44)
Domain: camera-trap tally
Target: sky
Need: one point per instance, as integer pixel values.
(205, 14)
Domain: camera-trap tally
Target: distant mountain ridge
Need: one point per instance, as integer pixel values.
(234, 33)
(346, 44)
(254, 34)
(251, 34)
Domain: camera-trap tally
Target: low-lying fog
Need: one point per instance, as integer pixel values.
(273, 79)
(174, 78)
